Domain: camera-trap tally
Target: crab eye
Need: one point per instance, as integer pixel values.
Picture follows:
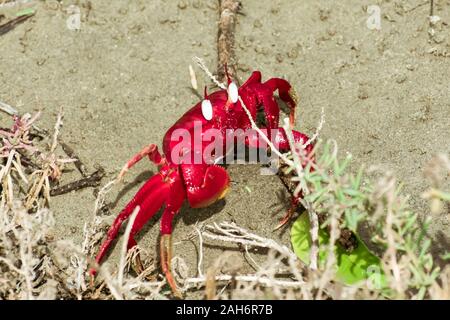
(233, 92)
(207, 109)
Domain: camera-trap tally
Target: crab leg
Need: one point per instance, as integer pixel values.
(165, 247)
(153, 195)
(150, 206)
(289, 214)
(170, 193)
(278, 138)
(272, 112)
(153, 154)
(144, 197)
(281, 142)
(173, 205)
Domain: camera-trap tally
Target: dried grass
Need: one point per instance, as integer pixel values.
(33, 265)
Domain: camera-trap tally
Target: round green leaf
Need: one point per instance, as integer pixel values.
(359, 265)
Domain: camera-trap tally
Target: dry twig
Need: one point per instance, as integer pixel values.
(92, 180)
(51, 170)
(225, 39)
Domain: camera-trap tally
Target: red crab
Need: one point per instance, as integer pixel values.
(203, 182)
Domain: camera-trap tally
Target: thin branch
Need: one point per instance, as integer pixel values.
(92, 180)
(200, 252)
(249, 278)
(313, 219)
(125, 245)
(225, 39)
(71, 154)
(10, 25)
(318, 129)
(8, 109)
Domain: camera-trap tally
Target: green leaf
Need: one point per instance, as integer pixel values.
(359, 265)
(425, 246)
(356, 181)
(353, 193)
(341, 168)
(352, 218)
(340, 196)
(446, 256)
(316, 195)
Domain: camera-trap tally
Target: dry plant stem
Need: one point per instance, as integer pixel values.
(8, 109)
(391, 251)
(200, 252)
(313, 219)
(263, 136)
(230, 232)
(58, 126)
(329, 272)
(248, 278)
(201, 64)
(50, 167)
(17, 165)
(318, 129)
(124, 245)
(235, 234)
(92, 180)
(6, 185)
(8, 26)
(225, 40)
(22, 236)
(99, 201)
(5, 169)
(71, 154)
(12, 162)
(90, 230)
(250, 260)
(193, 77)
(110, 283)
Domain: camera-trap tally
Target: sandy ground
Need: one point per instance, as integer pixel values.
(123, 81)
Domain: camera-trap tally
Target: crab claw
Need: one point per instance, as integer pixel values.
(287, 94)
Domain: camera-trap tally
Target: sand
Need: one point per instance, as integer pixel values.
(123, 80)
